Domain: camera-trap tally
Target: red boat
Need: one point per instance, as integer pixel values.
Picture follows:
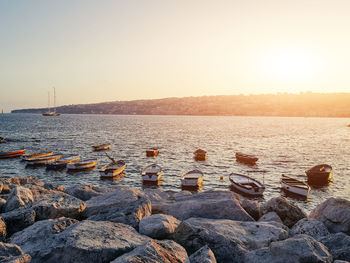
(12, 154)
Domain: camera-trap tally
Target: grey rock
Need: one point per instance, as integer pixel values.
(208, 204)
(86, 192)
(297, 249)
(18, 219)
(84, 242)
(335, 214)
(340, 261)
(58, 205)
(230, 240)
(165, 251)
(338, 245)
(253, 208)
(125, 205)
(11, 253)
(20, 180)
(158, 226)
(1, 186)
(271, 216)
(203, 255)
(19, 196)
(3, 231)
(289, 213)
(310, 227)
(2, 205)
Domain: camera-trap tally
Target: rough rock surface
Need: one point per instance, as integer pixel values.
(125, 205)
(3, 231)
(58, 205)
(2, 205)
(155, 252)
(253, 208)
(19, 196)
(203, 255)
(338, 245)
(310, 227)
(86, 192)
(297, 249)
(289, 213)
(11, 253)
(208, 204)
(18, 219)
(158, 226)
(84, 242)
(269, 217)
(228, 239)
(335, 214)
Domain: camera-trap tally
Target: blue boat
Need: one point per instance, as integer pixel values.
(62, 163)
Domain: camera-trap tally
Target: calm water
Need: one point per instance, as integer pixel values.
(283, 145)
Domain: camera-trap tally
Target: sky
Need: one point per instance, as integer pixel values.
(96, 51)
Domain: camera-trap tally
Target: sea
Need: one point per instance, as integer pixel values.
(284, 145)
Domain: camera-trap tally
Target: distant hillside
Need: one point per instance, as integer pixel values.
(304, 104)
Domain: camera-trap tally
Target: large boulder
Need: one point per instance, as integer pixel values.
(11, 253)
(270, 217)
(297, 249)
(125, 205)
(3, 231)
(18, 219)
(84, 242)
(253, 208)
(338, 245)
(202, 255)
(289, 213)
(158, 226)
(208, 204)
(335, 214)
(166, 251)
(86, 192)
(58, 205)
(228, 239)
(19, 196)
(310, 227)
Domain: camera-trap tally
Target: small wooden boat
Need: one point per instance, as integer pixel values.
(294, 186)
(101, 147)
(113, 169)
(320, 174)
(12, 154)
(82, 165)
(2, 139)
(246, 184)
(152, 152)
(28, 156)
(43, 159)
(192, 178)
(151, 173)
(200, 155)
(62, 163)
(246, 158)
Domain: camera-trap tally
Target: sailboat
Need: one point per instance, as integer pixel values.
(49, 112)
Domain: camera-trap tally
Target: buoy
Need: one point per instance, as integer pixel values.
(221, 177)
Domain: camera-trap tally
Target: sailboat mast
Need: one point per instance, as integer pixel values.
(48, 102)
(54, 99)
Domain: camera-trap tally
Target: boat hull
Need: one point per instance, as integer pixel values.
(81, 167)
(250, 192)
(246, 185)
(152, 177)
(295, 190)
(98, 148)
(152, 153)
(43, 160)
(319, 174)
(110, 173)
(246, 159)
(200, 157)
(14, 154)
(197, 182)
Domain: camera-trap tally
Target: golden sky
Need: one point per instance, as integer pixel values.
(95, 51)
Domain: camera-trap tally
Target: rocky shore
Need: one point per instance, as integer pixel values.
(40, 222)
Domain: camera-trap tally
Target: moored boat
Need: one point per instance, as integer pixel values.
(200, 155)
(62, 163)
(12, 154)
(43, 159)
(152, 152)
(246, 158)
(192, 178)
(320, 174)
(82, 165)
(246, 185)
(112, 169)
(28, 156)
(101, 147)
(2, 139)
(294, 186)
(152, 173)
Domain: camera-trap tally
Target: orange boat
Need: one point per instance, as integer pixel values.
(28, 156)
(13, 154)
(43, 160)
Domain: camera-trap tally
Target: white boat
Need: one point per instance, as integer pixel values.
(49, 112)
(192, 178)
(294, 186)
(43, 159)
(82, 165)
(152, 173)
(113, 169)
(246, 184)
